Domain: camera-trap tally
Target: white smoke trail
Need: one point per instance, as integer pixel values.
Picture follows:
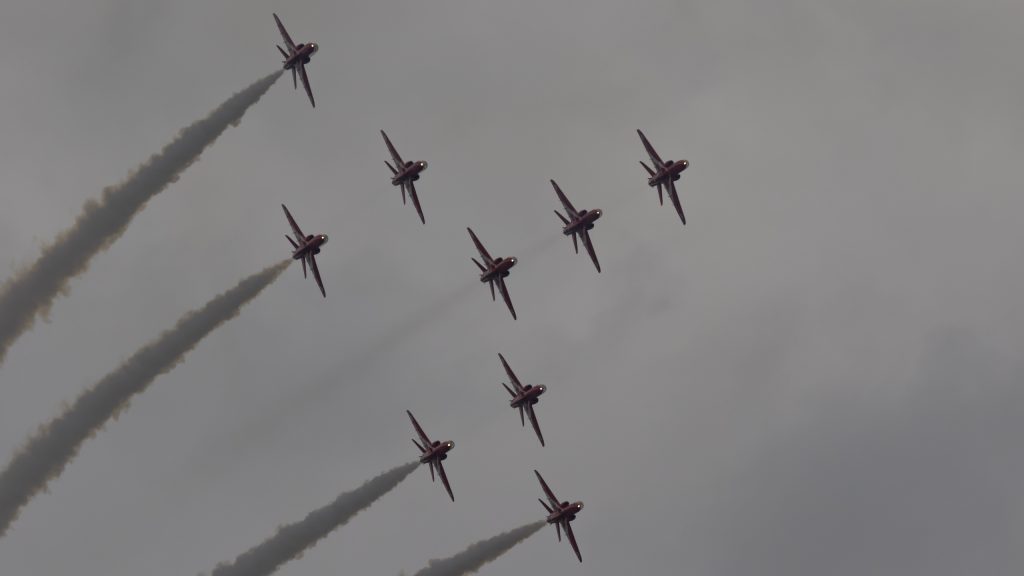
(56, 443)
(292, 540)
(32, 291)
(473, 558)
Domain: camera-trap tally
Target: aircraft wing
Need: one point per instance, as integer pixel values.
(480, 248)
(511, 375)
(533, 420)
(655, 159)
(423, 435)
(444, 479)
(572, 540)
(675, 200)
(299, 236)
(316, 274)
(394, 153)
(565, 201)
(415, 200)
(590, 248)
(504, 294)
(548, 492)
(305, 83)
(284, 34)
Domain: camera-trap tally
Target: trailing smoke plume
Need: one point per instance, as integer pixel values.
(46, 454)
(473, 558)
(32, 291)
(292, 540)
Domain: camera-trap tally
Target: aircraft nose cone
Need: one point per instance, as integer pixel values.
(324, 238)
(513, 260)
(423, 165)
(579, 506)
(685, 164)
(599, 212)
(541, 389)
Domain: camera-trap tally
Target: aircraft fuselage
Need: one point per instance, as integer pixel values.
(566, 513)
(310, 245)
(500, 268)
(303, 52)
(529, 395)
(583, 221)
(409, 173)
(670, 172)
(437, 451)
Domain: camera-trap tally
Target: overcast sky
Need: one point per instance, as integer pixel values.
(819, 374)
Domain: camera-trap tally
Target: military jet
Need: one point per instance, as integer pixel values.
(306, 248)
(664, 175)
(524, 398)
(404, 174)
(432, 453)
(561, 514)
(495, 271)
(296, 58)
(579, 223)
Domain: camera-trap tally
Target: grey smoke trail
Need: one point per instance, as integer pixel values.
(292, 540)
(32, 291)
(46, 453)
(471, 559)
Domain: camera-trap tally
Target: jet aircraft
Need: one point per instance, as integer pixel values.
(579, 223)
(432, 453)
(404, 174)
(306, 248)
(664, 175)
(524, 398)
(296, 58)
(495, 271)
(561, 514)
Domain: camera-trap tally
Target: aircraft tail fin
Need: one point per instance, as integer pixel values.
(294, 245)
(295, 79)
(562, 218)
(661, 195)
(558, 530)
(648, 168)
(283, 53)
(393, 171)
(479, 265)
(304, 267)
(575, 243)
(546, 507)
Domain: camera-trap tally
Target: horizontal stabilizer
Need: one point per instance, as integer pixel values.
(294, 245)
(393, 171)
(283, 53)
(422, 449)
(648, 168)
(509, 390)
(562, 218)
(478, 265)
(546, 507)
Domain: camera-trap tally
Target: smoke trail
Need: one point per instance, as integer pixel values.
(46, 454)
(32, 291)
(471, 559)
(293, 539)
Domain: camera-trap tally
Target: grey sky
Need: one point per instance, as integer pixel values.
(841, 317)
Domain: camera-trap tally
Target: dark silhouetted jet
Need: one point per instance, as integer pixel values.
(495, 271)
(432, 453)
(524, 398)
(404, 174)
(664, 175)
(306, 249)
(296, 58)
(579, 223)
(561, 514)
